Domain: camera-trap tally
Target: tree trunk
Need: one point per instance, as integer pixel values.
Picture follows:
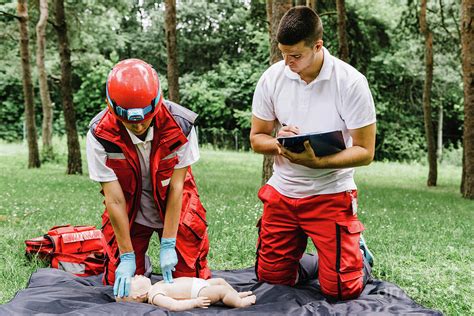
(467, 41)
(300, 2)
(33, 153)
(311, 4)
(74, 163)
(429, 130)
(278, 9)
(43, 82)
(341, 30)
(170, 28)
(269, 6)
(439, 147)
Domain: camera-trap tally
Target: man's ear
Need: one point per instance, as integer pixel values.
(318, 45)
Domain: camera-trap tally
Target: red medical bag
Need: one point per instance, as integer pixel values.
(76, 249)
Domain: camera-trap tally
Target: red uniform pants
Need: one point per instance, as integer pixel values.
(140, 236)
(329, 221)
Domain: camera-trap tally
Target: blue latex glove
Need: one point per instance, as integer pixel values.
(168, 258)
(125, 271)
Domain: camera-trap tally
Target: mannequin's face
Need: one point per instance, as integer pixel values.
(139, 287)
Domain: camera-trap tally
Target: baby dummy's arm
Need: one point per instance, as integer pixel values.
(171, 304)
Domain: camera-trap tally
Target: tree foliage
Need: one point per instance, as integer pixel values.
(223, 49)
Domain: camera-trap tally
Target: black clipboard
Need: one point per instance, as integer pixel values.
(323, 144)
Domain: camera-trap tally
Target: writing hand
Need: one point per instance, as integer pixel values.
(288, 130)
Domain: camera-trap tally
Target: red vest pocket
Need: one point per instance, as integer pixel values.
(124, 172)
(163, 175)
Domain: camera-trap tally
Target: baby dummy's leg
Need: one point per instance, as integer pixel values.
(228, 296)
(221, 281)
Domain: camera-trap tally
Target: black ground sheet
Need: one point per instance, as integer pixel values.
(52, 291)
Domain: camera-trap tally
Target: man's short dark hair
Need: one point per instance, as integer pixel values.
(300, 24)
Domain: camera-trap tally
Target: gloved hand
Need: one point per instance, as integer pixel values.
(125, 271)
(168, 258)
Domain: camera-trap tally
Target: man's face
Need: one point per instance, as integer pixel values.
(299, 56)
(138, 128)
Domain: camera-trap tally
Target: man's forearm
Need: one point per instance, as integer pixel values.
(360, 154)
(173, 212)
(351, 157)
(119, 219)
(264, 144)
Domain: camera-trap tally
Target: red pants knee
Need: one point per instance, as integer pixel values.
(328, 220)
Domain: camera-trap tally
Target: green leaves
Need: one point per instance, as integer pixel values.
(221, 96)
(223, 48)
(90, 97)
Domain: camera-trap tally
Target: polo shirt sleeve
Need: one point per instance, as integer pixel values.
(262, 104)
(96, 158)
(358, 108)
(189, 152)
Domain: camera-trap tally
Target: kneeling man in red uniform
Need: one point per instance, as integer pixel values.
(311, 196)
(140, 149)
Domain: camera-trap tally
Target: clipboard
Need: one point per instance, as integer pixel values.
(323, 144)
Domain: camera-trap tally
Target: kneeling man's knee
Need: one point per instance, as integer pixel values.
(343, 285)
(284, 273)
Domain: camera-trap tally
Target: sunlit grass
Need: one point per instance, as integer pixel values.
(422, 237)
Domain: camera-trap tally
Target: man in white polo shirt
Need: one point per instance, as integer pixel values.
(311, 196)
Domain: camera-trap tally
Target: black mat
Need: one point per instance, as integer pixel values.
(52, 291)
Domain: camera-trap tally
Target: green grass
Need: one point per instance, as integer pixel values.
(422, 237)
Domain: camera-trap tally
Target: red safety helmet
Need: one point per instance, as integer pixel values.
(133, 91)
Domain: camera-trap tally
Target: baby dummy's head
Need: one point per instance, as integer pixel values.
(138, 290)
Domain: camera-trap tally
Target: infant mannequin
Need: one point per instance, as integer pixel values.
(186, 293)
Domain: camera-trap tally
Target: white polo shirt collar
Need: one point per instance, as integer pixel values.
(324, 74)
(136, 140)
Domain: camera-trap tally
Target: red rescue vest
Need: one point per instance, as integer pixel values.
(192, 242)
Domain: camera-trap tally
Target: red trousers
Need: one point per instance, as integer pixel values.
(328, 220)
(140, 236)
